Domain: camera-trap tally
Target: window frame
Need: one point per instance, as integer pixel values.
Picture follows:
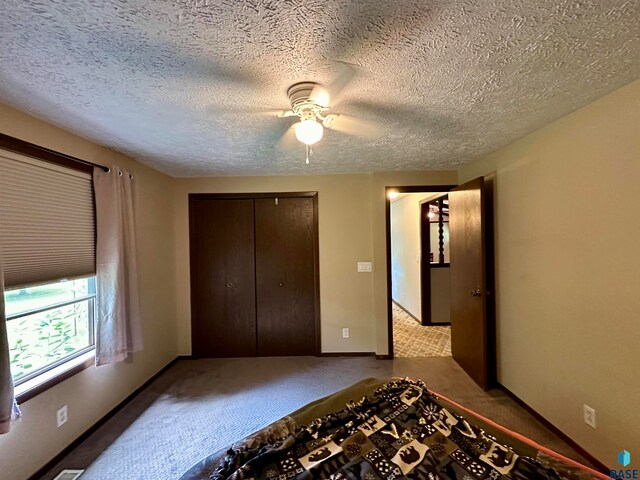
(28, 391)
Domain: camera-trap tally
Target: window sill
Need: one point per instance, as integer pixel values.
(45, 381)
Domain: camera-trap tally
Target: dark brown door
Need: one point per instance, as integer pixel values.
(223, 278)
(425, 264)
(285, 276)
(470, 330)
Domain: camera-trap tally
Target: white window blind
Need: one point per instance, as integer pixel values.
(47, 221)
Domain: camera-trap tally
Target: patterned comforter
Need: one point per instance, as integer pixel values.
(401, 431)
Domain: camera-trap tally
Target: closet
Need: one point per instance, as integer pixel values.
(254, 274)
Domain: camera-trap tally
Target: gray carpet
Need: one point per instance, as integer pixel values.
(200, 406)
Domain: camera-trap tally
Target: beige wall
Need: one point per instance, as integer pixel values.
(568, 317)
(92, 393)
(351, 223)
(405, 252)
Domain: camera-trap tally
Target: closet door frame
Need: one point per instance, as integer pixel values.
(316, 244)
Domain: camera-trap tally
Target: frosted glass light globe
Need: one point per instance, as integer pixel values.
(308, 131)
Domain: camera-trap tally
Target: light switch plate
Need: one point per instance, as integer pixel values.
(589, 416)
(364, 266)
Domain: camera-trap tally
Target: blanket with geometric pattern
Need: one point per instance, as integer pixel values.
(401, 431)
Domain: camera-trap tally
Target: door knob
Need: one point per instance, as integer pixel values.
(476, 293)
(281, 284)
(229, 285)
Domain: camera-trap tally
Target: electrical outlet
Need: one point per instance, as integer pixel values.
(589, 416)
(61, 416)
(345, 333)
(364, 267)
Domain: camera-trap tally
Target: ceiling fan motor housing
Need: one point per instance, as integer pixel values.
(301, 104)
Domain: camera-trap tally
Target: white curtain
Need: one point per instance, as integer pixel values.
(118, 326)
(8, 407)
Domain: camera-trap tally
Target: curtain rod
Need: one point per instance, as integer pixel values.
(30, 149)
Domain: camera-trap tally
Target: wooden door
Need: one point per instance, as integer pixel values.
(425, 264)
(222, 277)
(470, 308)
(286, 276)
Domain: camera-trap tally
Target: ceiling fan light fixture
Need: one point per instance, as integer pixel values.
(308, 131)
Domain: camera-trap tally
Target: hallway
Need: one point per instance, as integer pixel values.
(410, 339)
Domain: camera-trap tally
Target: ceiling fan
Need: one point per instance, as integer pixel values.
(311, 102)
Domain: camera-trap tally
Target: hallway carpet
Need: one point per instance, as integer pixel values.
(410, 339)
(200, 406)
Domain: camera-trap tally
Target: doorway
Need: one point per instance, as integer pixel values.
(472, 287)
(420, 325)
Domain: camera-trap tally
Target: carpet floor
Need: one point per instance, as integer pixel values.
(200, 406)
(410, 339)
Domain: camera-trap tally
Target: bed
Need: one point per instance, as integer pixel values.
(393, 429)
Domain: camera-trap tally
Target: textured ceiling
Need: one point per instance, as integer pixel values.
(449, 80)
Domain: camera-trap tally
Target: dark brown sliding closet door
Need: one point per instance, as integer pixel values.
(223, 278)
(285, 276)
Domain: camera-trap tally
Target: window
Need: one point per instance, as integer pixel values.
(47, 235)
(48, 325)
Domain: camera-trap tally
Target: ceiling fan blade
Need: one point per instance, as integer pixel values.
(229, 110)
(354, 126)
(401, 114)
(274, 113)
(270, 113)
(325, 95)
(288, 141)
(320, 95)
(177, 61)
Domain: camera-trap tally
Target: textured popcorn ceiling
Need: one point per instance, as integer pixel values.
(450, 80)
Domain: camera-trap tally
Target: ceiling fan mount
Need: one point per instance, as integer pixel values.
(303, 104)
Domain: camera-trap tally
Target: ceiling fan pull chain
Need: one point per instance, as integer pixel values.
(307, 154)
